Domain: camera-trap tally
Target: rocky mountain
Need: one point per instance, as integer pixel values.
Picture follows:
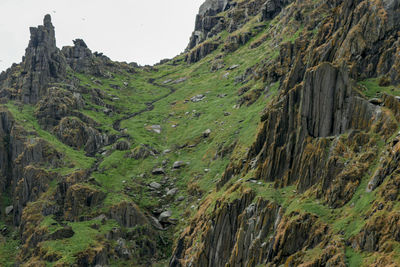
(273, 140)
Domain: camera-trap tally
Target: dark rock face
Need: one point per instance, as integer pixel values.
(318, 117)
(201, 51)
(271, 8)
(328, 106)
(242, 233)
(79, 198)
(213, 6)
(58, 112)
(6, 124)
(56, 105)
(79, 57)
(33, 183)
(209, 22)
(96, 256)
(219, 235)
(18, 156)
(42, 63)
(128, 214)
(233, 42)
(75, 133)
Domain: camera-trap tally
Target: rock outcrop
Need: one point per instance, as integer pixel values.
(22, 160)
(42, 65)
(79, 198)
(319, 135)
(210, 21)
(128, 214)
(242, 233)
(201, 51)
(79, 57)
(207, 23)
(315, 183)
(75, 133)
(57, 104)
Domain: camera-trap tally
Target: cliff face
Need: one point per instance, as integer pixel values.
(273, 140)
(318, 118)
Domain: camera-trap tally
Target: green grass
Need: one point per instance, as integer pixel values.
(371, 88)
(84, 237)
(76, 158)
(117, 172)
(354, 259)
(8, 251)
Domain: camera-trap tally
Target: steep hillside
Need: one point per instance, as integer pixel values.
(272, 140)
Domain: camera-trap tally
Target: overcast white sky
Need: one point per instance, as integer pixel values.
(144, 31)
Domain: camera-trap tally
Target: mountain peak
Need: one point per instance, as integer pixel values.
(42, 62)
(47, 21)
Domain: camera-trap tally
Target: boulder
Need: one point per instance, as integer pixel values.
(206, 133)
(155, 185)
(172, 192)
(122, 145)
(164, 216)
(158, 171)
(180, 80)
(233, 67)
(142, 152)
(178, 164)
(156, 128)
(376, 101)
(167, 81)
(197, 98)
(9, 209)
(156, 224)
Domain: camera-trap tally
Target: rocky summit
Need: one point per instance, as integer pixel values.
(273, 140)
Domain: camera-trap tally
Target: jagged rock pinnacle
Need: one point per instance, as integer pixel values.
(42, 62)
(47, 21)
